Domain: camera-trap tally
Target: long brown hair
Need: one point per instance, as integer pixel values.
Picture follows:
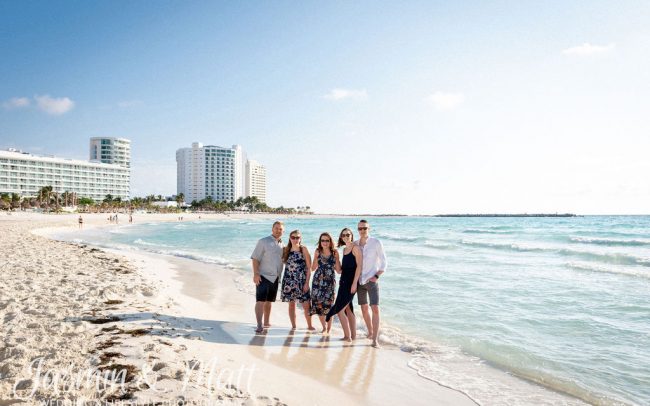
(320, 246)
(341, 243)
(286, 250)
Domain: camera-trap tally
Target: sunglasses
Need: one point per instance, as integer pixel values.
(295, 237)
(346, 235)
(362, 228)
(325, 241)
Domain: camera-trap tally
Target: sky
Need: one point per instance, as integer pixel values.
(418, 107)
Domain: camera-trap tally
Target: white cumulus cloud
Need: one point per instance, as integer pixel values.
(16, 103)
(54, 106)
(446, 100)
(588, 49)
(346, 94)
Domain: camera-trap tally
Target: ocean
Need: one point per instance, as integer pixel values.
(559, 303)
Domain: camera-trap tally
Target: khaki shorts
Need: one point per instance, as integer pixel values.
(369, 289)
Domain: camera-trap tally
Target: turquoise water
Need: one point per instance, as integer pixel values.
(564, 302)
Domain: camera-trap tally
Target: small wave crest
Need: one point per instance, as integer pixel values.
(611, 241)
(587, 266)
(394, 237)
(438, 245)
(609, 258)
(504, 246)
(140, 241)
(484, 231)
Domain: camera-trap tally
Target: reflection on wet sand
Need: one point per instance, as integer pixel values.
(348, 366)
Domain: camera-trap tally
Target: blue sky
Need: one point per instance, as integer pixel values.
(355, 107)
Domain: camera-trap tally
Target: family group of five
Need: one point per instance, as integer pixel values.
(362, 263)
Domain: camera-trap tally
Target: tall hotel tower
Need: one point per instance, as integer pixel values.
(210, 170)
(255, 180)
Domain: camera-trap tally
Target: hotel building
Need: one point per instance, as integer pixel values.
(110, 150)
(25, 174)
(218, 172)
(255, 180)
(210, 170)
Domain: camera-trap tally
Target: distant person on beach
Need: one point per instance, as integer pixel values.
(81, 222)
(323, 286)
(350, 273)
(295, 281)
(374, 264)
(130, 218)
(267, 267)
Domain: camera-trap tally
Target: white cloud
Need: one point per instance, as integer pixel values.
(446, 101)
(588, 49)
(16, 103)
(346, 94)
(54, 106)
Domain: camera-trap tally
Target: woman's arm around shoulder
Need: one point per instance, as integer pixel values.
(305, 253)
(337, 261)
(314, 262)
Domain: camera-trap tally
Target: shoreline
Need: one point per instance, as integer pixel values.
(484, 373)
(174, 312)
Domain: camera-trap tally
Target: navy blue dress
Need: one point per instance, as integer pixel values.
(344, 297)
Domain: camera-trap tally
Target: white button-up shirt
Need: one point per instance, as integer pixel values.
(374, 259)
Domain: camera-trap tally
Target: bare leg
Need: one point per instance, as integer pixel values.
(367, 319)
(305, 307)
(344, 324)
(259, 312)
(292, 314)
(352, 322)
(322, 323)
(375, 325)
(267, 313)
(329, 326)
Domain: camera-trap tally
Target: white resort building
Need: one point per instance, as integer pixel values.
(111, 150)
(217, 172)
(256, 180)
(25, 174)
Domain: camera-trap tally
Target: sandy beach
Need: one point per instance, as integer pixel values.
(168, 329)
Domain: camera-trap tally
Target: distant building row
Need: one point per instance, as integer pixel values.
(222, 173)
(218, 172)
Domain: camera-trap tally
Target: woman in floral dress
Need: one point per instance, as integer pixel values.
(326, 263)
(295, 281)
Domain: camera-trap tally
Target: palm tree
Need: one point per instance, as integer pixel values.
(15, 200)
(45, 194)
(251, 202)
(180, 199)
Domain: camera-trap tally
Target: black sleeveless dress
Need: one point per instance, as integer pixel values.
(344, 297)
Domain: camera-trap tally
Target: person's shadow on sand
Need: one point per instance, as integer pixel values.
(321, 357)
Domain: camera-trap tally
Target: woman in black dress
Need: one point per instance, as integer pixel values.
(350, 272)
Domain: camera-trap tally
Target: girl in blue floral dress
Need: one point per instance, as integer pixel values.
(326, 263)
(295, 281)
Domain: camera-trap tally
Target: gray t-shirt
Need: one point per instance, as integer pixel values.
(268, 252)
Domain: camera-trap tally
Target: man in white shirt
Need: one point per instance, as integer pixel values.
(374, 264)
